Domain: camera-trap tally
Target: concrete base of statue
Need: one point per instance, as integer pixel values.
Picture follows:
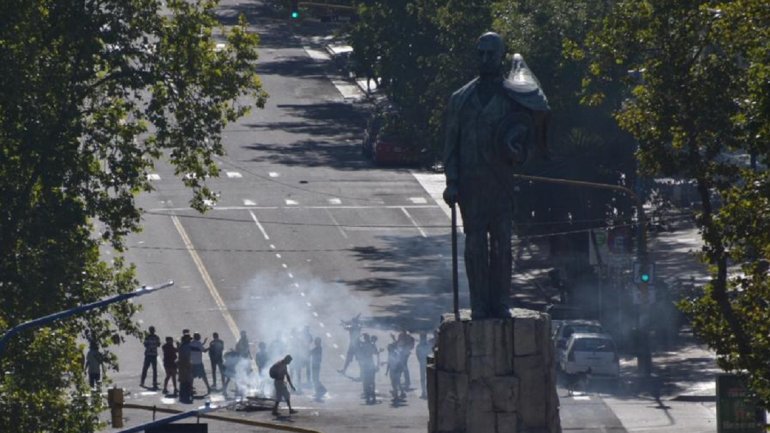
(493, 376)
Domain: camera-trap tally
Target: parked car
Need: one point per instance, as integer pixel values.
(385, 140)
(566, 328)
(591, 352)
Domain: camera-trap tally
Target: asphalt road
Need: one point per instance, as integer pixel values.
(306, 232)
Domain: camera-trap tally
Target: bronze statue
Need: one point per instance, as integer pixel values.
(492, 126)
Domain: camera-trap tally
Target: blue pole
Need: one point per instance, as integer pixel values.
(39, 322)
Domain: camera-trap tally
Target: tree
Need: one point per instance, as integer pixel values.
(697, 101)
(94, 92)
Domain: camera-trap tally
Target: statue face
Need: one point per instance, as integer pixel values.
(490, 51)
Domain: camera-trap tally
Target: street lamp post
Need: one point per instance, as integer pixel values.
(36, 323)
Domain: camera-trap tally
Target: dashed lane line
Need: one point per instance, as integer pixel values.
(349, 207)
(408, 215)
(206, 277)
(262, 229)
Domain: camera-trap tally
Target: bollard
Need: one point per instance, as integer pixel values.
(115, 401)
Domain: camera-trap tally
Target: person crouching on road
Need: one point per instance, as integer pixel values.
(280, 373)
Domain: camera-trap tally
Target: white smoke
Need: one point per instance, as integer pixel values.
(301, 302)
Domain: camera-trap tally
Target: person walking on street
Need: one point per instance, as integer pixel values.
(196, 360)
(422, 351)
(279, 372)
(151, 345)
(216, 350)
(169, 364)
(94, 365)
(353, 326)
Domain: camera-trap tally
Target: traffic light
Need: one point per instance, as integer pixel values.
(644, 273)
(294, 9)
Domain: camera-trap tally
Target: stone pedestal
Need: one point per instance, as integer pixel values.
(493, 376)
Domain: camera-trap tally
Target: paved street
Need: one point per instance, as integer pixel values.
(307, 233)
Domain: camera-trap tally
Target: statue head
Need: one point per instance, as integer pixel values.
(490, 49)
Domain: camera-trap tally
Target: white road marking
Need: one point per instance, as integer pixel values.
(309, 305)
(337, 224)
(273, 174)
(418, 200)
(328, 335)
(247, 202)
(296, 285)
(363, 207)
(284, 265)
(291, 275)
(206, 277)
(302, 294)
(321, 324)
(335, 201)
(262, 229)
(234, 175)
(422, 232)
(341, 356)
(290, 202)
(334, 345)
(315, 314)
(581, 397)
(278, 255)
(153, 176)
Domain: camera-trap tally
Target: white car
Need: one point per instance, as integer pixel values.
(566, 328)
(591, 352)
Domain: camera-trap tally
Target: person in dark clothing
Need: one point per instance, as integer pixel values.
(242, 346)
(169, 364)
(216, 349)
(394, 370)
(185, 371)
(262, 357)
(353, 326)
(151, 345)
(94, 365)
(424, 348)
(405, 345)
(368, 365)
(280, 374)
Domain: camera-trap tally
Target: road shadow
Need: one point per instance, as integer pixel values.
(330, 137)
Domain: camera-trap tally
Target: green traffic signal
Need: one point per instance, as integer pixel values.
(645, 278)
(295, 14)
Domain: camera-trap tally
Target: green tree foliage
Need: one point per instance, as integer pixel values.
(93, 92)
(423, 50)
(697, 102)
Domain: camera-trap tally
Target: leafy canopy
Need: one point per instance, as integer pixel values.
(697, 74)
(94, 92)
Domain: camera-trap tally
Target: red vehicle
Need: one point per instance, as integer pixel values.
(385, 143)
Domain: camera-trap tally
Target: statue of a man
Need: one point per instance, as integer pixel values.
(491, 126)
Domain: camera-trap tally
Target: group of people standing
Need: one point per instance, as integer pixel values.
(183, 363)
(363, 348)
